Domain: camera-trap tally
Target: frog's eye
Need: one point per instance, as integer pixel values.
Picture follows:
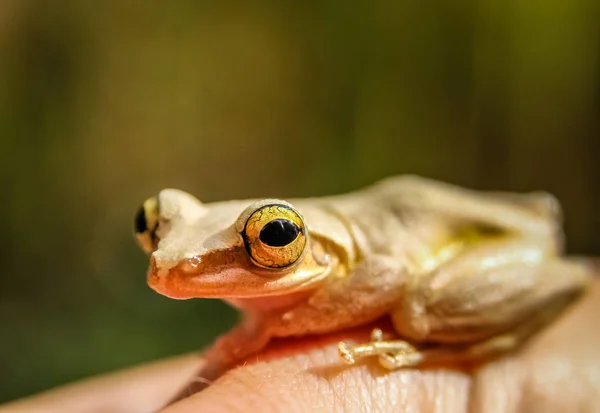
(145, 224)
(275, 236)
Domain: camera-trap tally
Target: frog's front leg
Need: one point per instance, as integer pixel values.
(246, 338)
(482, 304)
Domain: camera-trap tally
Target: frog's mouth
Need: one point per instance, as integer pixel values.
(230, 274)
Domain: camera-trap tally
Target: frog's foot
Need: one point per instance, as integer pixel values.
(391, 354)
(394, 354)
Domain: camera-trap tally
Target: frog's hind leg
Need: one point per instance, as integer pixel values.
(394, 354)
(473, 309)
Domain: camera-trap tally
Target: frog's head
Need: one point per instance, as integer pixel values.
(236, 249)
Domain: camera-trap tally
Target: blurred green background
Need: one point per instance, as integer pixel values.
(104, 103)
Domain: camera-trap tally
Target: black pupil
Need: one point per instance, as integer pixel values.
(279, 233)
(140, 221)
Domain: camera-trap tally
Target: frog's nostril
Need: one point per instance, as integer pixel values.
(190, 265)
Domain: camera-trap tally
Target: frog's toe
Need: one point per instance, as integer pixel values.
(346, 353)
(400, 359)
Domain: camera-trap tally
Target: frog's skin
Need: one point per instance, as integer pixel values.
(463, 275)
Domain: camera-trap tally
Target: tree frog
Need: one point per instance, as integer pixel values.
(462, 274)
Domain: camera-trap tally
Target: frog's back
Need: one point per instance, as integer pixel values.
(415, 190)
(519, 210)
(412, 210)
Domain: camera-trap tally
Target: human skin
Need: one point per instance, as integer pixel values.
(558, 371)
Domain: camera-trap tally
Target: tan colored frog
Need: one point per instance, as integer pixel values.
(464, 275)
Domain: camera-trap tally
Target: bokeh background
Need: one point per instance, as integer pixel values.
(104, 103)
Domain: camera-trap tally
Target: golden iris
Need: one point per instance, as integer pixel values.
(275, 236)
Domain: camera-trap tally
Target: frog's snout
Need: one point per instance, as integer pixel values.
(160, 280)
(152, 276)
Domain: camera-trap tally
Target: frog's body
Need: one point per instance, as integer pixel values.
(475, 273)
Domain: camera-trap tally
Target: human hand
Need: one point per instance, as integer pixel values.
(558, 372)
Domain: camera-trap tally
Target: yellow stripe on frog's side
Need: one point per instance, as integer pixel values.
(464, 238)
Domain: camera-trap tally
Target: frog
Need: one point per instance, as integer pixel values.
(464, 275)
